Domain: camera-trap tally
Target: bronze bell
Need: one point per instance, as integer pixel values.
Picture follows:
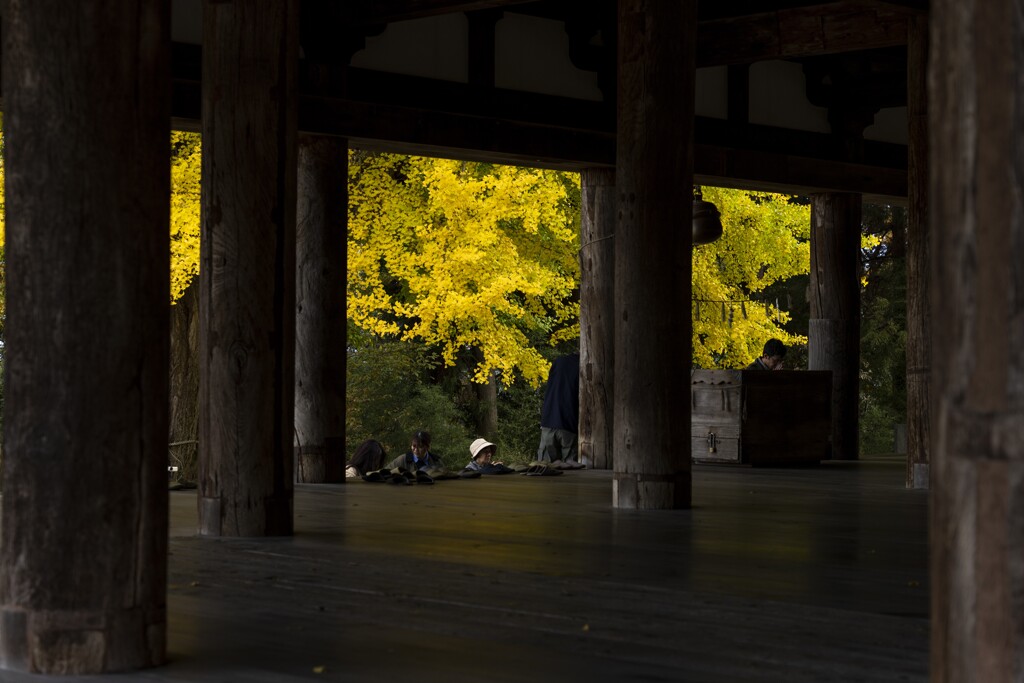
(707, 222)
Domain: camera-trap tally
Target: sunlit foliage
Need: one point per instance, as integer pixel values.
(766, 239)
(186, 170)
(458, 254)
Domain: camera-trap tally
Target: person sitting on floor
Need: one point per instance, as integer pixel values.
(419, 456)
(481, 460)
(368, 457)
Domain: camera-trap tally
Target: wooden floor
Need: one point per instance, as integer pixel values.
(785, 575)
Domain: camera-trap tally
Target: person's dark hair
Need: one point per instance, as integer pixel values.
(369, 456)
(422, 438)
(774, 347)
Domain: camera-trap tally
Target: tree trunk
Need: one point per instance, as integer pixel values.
(183, 437)
(652, 254)
(977, 286)
(487, 409)
(320, 318)
(918, 275)
(247, 303)
(597, 322)
(834, 328)
(83, 579)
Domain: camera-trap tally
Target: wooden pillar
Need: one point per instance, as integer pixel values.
(918, 267)
(977, 289)
(597, 317)
(834, 327)
(654, 176)
(83, 556)
(247, 306)
(320, 309)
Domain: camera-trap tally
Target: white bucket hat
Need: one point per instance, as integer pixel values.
(479, 445)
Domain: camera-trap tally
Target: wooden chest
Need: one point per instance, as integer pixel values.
(752, 417)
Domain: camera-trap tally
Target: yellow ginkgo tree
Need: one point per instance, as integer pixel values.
(186, 171)
(766, 239)
(463, 255)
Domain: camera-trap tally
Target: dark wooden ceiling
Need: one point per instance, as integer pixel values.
(853, 53)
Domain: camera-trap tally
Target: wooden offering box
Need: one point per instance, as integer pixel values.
(751, 417)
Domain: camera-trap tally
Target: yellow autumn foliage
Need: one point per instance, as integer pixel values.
(460, 255)
(766, 239)
(186, 172)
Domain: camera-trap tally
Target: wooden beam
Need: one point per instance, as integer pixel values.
(501, 140)
(819, 30)
(919, 274)
(758, 157)
(598, 209)
(653, 174)
(791, 173)
(247, 285)
(320, 263)
(834, 328)
(386, 11)
(83, 547)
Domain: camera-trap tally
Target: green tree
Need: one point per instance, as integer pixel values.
(390, 394)
(883, 379)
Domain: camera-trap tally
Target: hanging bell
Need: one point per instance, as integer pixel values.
(707, 222)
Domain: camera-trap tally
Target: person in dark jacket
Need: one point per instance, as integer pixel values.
(560, 414)
(419, 456)
(771, 357)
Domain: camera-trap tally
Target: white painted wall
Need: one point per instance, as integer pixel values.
(777, 98)
(712, 92)
(187, 21)
(433, 47)
(890, 126)
(532, 54)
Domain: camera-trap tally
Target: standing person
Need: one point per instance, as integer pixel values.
(419, 456)
(771, 357)
(560, 414)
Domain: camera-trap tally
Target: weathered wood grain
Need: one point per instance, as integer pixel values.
(597, 318)
(84, 531)
(977, 337)
(776, 576)
(247, 303)
(320, 339)
(919, 348)
(834, 328)
(654, 176)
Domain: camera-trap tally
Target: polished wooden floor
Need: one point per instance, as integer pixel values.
(784, 575)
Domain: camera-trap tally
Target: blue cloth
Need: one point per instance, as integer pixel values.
(561, 409)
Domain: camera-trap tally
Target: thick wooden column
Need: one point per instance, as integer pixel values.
(83, 557)
(834, 327)
(597, 316)
(919, 356)
(320, 309)
(654, 176)
(977, 522)
(247, 306)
